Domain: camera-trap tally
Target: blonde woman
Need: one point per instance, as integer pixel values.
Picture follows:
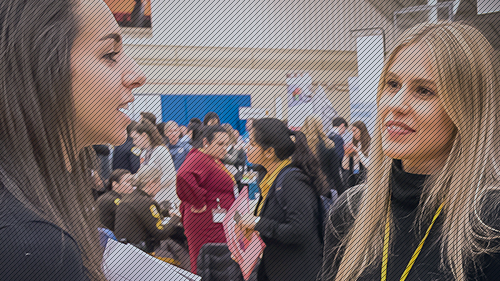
(324, 149)
(433, 214)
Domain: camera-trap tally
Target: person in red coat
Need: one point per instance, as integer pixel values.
(204, 183)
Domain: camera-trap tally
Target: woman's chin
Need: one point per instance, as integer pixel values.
(396, 151)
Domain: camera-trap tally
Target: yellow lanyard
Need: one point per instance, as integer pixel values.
(385, 257)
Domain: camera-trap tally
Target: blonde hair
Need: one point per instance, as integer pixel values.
(146, 175)
(466, 87)
(313, 130)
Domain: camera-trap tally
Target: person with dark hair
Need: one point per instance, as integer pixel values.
(203, 185)
(128, 156)
(155, 153)
(357, 159)
(194, 132)
(64, 79)
(337, 136)
(195, 120)
(178, 149)
(288, 216)
(211, 118)
(161, 130)
(119, 184)
(148, 116)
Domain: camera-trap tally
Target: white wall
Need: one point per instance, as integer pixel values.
(294, 24)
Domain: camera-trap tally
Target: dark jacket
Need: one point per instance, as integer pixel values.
(179, 152)
(34, 249)
(294, 249)
(107, 204)
(339, 145)
(340, 152)
(330, 166)
(139, 221)
(102, 152)
(237, 158)
(124, 158)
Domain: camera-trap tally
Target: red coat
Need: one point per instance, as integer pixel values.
(200, 181)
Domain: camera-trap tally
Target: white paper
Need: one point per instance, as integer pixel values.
(488, 6)
(124, 262)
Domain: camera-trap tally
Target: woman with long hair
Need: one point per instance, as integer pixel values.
(429, 209)
(204, 184)
(288, 216)
(357, 158)
(63, 79)
(324, 150)
(156, 154)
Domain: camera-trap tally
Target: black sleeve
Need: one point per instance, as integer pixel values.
(39, 251)
(338, 221)
(135, 162)
(301, 221)
(107, 211)
(150, 216)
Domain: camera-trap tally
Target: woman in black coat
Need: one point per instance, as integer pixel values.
(288, 215)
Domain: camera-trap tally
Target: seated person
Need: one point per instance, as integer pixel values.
(138, 219)
(119, 184)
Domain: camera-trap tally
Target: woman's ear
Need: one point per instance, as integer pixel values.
(205, 142)
(269, 153)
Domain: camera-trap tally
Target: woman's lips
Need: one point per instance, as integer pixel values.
(396, 129)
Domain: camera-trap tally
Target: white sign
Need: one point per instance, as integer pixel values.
(488, 6)
(253, 113)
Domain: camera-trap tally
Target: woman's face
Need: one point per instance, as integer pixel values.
(356, 133)
(218, 147)
(255, 152)
(102, 77)
(415, 125)
(142, 141)
(124, 186)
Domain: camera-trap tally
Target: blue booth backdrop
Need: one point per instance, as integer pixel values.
(181, 108)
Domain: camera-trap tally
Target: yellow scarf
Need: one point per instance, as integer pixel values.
(268, 181)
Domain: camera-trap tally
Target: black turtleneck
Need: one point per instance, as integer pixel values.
(406, 190)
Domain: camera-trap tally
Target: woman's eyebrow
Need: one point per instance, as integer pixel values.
(115, 36)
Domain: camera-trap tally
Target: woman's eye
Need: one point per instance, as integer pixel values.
(424, 91)
(111, 56)
(393, 85)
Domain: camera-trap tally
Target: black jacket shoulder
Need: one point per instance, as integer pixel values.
(34, 249)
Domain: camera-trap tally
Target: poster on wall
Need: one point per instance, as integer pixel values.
(299, 87)
(299, 95)
(131, 13)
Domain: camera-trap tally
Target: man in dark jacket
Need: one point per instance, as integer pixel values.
(339, 128)
(127, 156)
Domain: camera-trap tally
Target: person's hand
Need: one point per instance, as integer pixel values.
(247, 221)
(349, 149)
(199, 211)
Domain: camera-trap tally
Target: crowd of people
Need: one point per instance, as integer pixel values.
(418, 200)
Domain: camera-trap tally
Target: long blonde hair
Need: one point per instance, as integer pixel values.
(466, 87)
(313, 130)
